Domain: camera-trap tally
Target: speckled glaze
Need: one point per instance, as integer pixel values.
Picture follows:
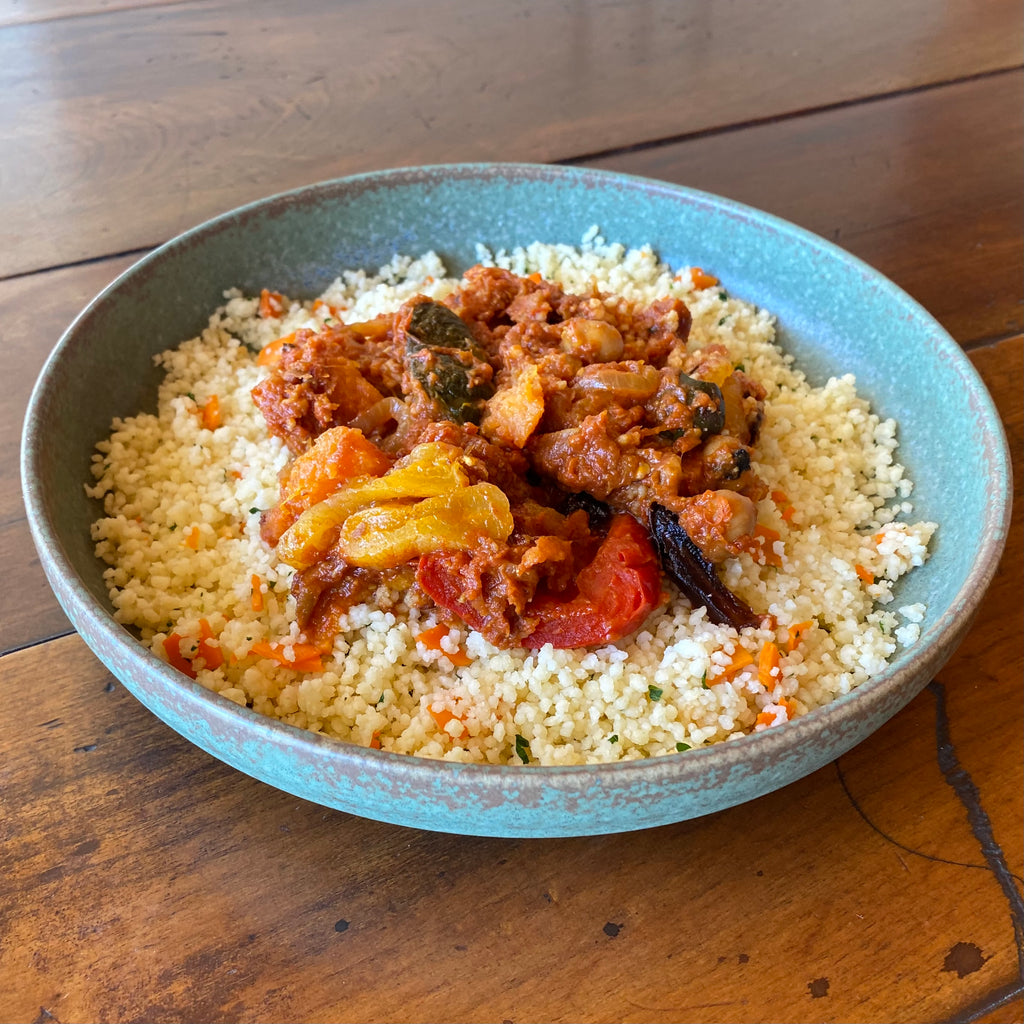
(836, 315)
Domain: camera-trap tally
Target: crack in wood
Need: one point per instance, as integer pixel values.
(958, 779)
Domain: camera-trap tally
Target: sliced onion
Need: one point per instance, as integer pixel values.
(633, 385)
(372, 420)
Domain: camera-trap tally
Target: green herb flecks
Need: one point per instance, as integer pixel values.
(654, 692)
(522, 749)
(680, 747)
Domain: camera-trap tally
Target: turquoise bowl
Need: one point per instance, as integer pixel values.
(835, 314)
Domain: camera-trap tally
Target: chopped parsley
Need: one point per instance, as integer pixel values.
(614, 738)
(522, 749)
(654, 692)
(704, 680)
(680, 747)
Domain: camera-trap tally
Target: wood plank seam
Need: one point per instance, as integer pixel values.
(792, 115)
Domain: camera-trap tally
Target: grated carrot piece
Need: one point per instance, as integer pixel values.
(307, 657)
(175, 658)
(192, 538)
(320, 304)
(766, 538)
(257, 592)
(272, 304)
(701, 279)
(741, 658)
(796, 633)
(431, 639)
(863, 574)
(442, 716)
(210, 653)
(767, 662)
(212, 418)
(769, 717)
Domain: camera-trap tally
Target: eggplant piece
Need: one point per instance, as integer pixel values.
(707, 419)
(443, 357)
(695, 576)
(599, 514)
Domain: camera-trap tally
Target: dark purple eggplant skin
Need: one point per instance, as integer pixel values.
(443, 357)
(695, 576)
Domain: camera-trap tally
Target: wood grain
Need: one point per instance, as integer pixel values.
(143, 880)
(34, 310)
(925, 187)
(20, 12)
(931, 240)
(185, 110)
(285, 911)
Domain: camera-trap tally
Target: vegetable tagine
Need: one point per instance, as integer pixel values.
(533, 462)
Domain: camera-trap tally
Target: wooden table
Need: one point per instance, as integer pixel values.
(141, 880)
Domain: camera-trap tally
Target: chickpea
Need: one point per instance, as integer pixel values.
(593, 341)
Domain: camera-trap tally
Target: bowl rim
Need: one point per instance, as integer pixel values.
(883, 690)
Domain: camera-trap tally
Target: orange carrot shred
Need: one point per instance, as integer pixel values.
(769, 717)
(431, 639)
(212, 418)
(442, 716)
(307, 657)
(172, 647)
(257, 592)
(192, 537)
(740, 659)
(272, 304)
(375, 741)
(864, 574)
(766, 538)
(766, 663)
(796, 633)
(319, 305)
(210, 653)
(701, 279)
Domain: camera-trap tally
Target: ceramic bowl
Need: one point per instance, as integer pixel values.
(835, 314)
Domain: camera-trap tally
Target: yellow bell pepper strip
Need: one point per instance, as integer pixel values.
(387, 535)
(429, 469)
